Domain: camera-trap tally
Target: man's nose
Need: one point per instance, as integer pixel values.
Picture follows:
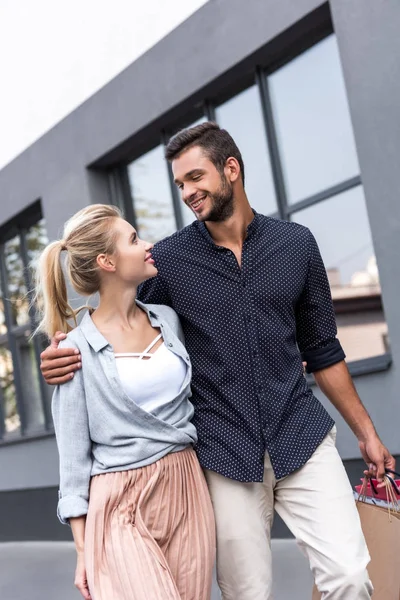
(188, 193)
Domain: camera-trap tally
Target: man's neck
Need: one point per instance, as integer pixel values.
(232, 232)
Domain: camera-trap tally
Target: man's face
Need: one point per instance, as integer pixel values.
(204, 190)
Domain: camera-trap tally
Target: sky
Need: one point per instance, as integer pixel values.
(54, 55)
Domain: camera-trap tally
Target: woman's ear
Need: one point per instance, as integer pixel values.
(106, 262)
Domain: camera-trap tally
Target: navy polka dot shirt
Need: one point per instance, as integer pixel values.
(247, 330)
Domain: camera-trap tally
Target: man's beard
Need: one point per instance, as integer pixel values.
(222, 203)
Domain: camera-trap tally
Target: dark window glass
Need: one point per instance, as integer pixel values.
(3, 328)
(17, 290)
(30, 383)
(10, 411)
(19, 355)
(312, 122)
(151, 194)
(242, 118)
(36, 240)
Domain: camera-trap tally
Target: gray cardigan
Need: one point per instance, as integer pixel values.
(99, 429)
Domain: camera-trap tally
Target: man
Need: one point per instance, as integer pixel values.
(254, 301)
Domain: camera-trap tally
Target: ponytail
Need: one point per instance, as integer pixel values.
(51, 293)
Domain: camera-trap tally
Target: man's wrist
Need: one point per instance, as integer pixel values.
(367, 434)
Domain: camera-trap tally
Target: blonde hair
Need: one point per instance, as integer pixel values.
(86, 235)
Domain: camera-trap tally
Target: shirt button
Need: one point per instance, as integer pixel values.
(170, 345)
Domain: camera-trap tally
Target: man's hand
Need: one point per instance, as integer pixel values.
(377, 458)
(337, 385)
(58, 365)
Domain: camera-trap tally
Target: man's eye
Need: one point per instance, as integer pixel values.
(196, 177)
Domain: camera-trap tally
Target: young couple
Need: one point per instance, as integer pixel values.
(253, 302)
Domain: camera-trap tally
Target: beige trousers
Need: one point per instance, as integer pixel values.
(317, 504)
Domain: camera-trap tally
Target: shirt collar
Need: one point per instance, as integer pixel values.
(97, 339)
(251, 228)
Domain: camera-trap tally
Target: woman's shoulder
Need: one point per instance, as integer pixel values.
(74, 339)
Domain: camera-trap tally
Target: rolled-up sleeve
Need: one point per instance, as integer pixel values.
(74, 446)
(315, 317)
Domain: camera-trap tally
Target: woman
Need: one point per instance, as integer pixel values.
(130, 484)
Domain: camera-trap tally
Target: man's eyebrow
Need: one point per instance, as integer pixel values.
(190, 174)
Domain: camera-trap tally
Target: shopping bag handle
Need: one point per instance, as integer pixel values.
(374, 490)
(392, 482)
(390, 479)
(393, 472)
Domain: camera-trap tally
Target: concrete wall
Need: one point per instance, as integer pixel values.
(219, 42)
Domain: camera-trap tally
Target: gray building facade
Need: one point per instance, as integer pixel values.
(310, 91)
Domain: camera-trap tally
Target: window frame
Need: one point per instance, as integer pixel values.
(19, 227)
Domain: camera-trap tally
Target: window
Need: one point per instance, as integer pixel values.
(294, 131)
(23, 395)
(322, 189)
(151, 196)
(242, 118)
(312, 122)
(340, 225)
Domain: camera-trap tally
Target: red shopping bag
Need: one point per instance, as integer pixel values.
(371, 489)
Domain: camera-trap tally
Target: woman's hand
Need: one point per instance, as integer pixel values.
(80, 577)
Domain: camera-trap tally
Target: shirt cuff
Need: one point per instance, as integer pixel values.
(71, 506)
(320, 358)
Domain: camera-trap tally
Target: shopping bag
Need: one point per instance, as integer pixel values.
(381, 528)
(371, 490)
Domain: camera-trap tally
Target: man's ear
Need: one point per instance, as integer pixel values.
(106, 262)
(232, 169)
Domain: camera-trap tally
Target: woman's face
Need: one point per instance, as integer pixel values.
(132, 261)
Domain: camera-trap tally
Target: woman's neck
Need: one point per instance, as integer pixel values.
(117, 307)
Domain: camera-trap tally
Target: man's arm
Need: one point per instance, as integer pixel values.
(321, 350)
(335, 382)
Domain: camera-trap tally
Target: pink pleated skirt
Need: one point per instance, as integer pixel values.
(150, 532)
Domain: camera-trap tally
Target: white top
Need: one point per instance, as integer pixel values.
(152, 382)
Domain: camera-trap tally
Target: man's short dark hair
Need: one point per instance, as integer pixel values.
(217, 144)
